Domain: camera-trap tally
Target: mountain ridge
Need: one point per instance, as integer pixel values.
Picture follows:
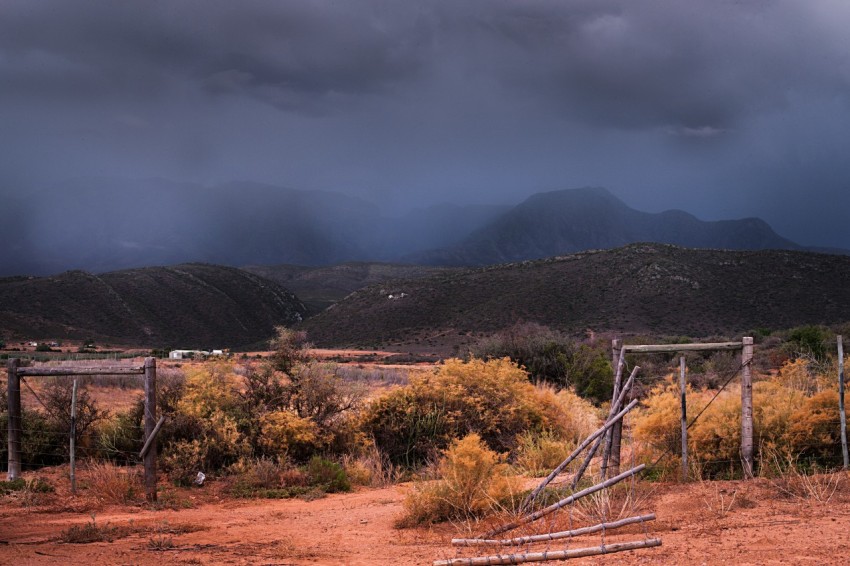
(639, 288)
(187, 305)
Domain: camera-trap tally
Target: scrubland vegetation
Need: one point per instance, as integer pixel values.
(465, 430)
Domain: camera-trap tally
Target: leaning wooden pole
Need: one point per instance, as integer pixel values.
(562, 466)
(613, 437)
(747, 407)
(13, 397)
(592, 452)
(549, 555)
(841, 412)
(150, 424)
(613, 464)
(518, 541)
(562, 503)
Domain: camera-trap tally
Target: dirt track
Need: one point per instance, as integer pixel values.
(696, 523)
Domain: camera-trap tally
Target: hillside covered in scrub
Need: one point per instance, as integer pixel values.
(194, 305)
(641, 288)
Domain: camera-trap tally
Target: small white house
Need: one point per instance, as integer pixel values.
(186, 354)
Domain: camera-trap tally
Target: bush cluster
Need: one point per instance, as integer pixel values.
(491, 398)
(473, 481)
(791, 416)
(550, 356)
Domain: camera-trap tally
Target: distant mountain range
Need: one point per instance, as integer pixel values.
(188, 306)
(641, 288)
(102, 225)
(569, 221)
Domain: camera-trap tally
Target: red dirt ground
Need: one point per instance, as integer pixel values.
(764, 524)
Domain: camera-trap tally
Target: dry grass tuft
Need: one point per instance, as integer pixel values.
(114, 484)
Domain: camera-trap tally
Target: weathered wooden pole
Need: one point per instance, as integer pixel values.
(618, 355)
(72, 441)
(614, 406)
(747, 406)
(562, 466)
(150, 424)
(549, 554)
(684, 418)
(562, 503)
(518, 541)
(841, 401)
(613, 467)
(13, 393)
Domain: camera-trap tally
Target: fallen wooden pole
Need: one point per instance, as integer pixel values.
(562, 503)
(560, 468)
(550, 555)
(144, 451)
(553, 536)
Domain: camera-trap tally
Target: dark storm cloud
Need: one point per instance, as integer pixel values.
(669, 103)
(694, 66)
(281, 53)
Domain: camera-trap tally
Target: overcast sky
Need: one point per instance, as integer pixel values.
(722, 108)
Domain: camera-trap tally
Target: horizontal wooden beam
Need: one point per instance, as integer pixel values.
(673, 348)
(60, 371)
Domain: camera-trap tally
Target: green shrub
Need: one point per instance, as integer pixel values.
(328, 475)
(550, 356)
(809, 341)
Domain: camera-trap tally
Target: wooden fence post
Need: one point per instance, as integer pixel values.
(73, 439)
(682, 389)
(13, 392)
(841, 401)
(150, 424)
(747, 406)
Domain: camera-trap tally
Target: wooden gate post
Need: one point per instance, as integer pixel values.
(682, 387)
(150, 424)
(841, 412)
(13, 392)
(747, 406)
(613, 468)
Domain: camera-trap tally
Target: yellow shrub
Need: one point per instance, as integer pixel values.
(492, 398)
(658, 423)
(537, 454)
(285, 433)
(716, 437)
(565, 414)
(814, 430)
(474, 481)
(209, 388)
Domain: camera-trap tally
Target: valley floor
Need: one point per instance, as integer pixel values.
(700, 523)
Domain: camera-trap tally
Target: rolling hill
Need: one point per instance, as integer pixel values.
(320, 287)
(573, 220)
(640, 288)
(190, 306)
